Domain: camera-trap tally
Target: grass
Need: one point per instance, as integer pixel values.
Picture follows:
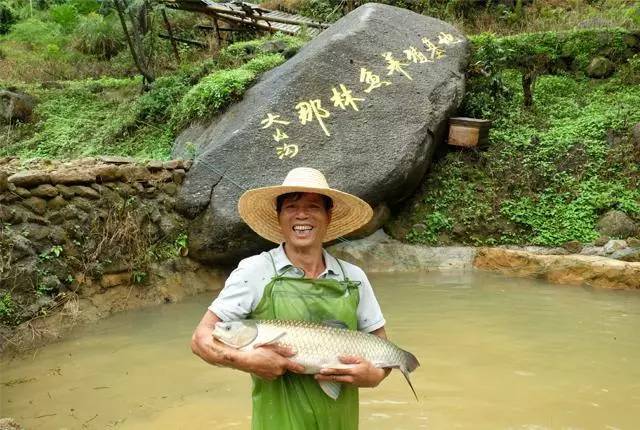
(548, 174)
(110, 116)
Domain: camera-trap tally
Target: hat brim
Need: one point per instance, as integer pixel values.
(257, 208)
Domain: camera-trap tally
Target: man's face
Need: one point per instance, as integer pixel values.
(304, 221)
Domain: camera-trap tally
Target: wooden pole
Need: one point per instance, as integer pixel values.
(217, 27)
(187, 41)
(167, 24)
(228, 11)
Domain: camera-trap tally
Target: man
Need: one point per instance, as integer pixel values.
(297, 281)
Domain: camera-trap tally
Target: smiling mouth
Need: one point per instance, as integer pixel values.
(302, 230)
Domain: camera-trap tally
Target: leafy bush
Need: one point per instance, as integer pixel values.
(66, 15)
(7, 17)
(155, 105)
(7, 309)
(264, 62)
(98, 35)
(212, 93)
(85, 7)
(548, 174)
(38, 33)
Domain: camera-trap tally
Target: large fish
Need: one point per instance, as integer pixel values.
(317, 345)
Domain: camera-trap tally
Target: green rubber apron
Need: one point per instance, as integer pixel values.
(296, 402)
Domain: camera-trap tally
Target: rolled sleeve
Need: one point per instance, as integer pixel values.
(241, 291)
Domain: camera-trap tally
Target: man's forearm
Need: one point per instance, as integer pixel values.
(214, 352)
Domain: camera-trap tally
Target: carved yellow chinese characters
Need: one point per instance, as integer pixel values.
(343, 98)
(280, 135)
(287, 150)
(372, 80)
(394, 65)
(433, 50)
(416, 56)
(310, 110)
(447, 39)
(272, 119)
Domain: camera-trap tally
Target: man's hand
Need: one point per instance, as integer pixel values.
(362, 374)
(269, 362)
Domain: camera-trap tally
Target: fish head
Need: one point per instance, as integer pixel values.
(236, 334)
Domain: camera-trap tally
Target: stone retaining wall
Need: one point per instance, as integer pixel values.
(62, 223)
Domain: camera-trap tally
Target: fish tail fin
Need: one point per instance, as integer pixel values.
(405, 373)
(411, 363)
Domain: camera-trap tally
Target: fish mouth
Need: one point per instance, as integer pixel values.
(225, 333)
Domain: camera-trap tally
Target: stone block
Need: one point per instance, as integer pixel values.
(46, 191)
(114, 159)
(173, 164)
(132, 173)
(106, 173)
(614, 245)
(178, 176)
(70, 177)
(22, 192)
(170, 188)
(82, 191)
(4, 181)
(56, 203)
(35, 204)
(66, 192)
(29, 178)
(154, 165)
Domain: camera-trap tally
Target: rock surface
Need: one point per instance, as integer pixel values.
(616, 224)
(381, 253)
(365, 102)
(600, 67)
(15, 106)
(563, 269)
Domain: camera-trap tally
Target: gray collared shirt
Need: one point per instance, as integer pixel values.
(244, 287)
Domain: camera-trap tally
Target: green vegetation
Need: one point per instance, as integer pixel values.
(499, 17)
(109, 116)
(549, 171)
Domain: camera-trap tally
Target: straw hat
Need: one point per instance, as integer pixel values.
(257, 207)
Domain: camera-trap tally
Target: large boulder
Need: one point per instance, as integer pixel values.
(365, 102)
(617, 224)
(600, 67)
(15, 106)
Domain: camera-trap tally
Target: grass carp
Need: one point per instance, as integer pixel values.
(317, 345)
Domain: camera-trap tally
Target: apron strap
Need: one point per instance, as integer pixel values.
(344, 275)
(275, 271)
(273, 263)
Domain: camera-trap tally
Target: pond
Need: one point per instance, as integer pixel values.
(496, 353)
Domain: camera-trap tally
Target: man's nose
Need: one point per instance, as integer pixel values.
(301, 212)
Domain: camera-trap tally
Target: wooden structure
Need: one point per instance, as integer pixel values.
(241, 16)
(468, 132)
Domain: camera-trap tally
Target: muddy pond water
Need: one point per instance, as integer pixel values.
(496, 353)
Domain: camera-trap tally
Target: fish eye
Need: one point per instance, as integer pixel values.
(227, 328)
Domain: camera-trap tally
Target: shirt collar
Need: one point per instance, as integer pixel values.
(282, 262)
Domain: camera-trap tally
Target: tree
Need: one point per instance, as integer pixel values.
(132, 34)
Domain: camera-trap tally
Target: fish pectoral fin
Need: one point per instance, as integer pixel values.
(331, 388)
(270, 342)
